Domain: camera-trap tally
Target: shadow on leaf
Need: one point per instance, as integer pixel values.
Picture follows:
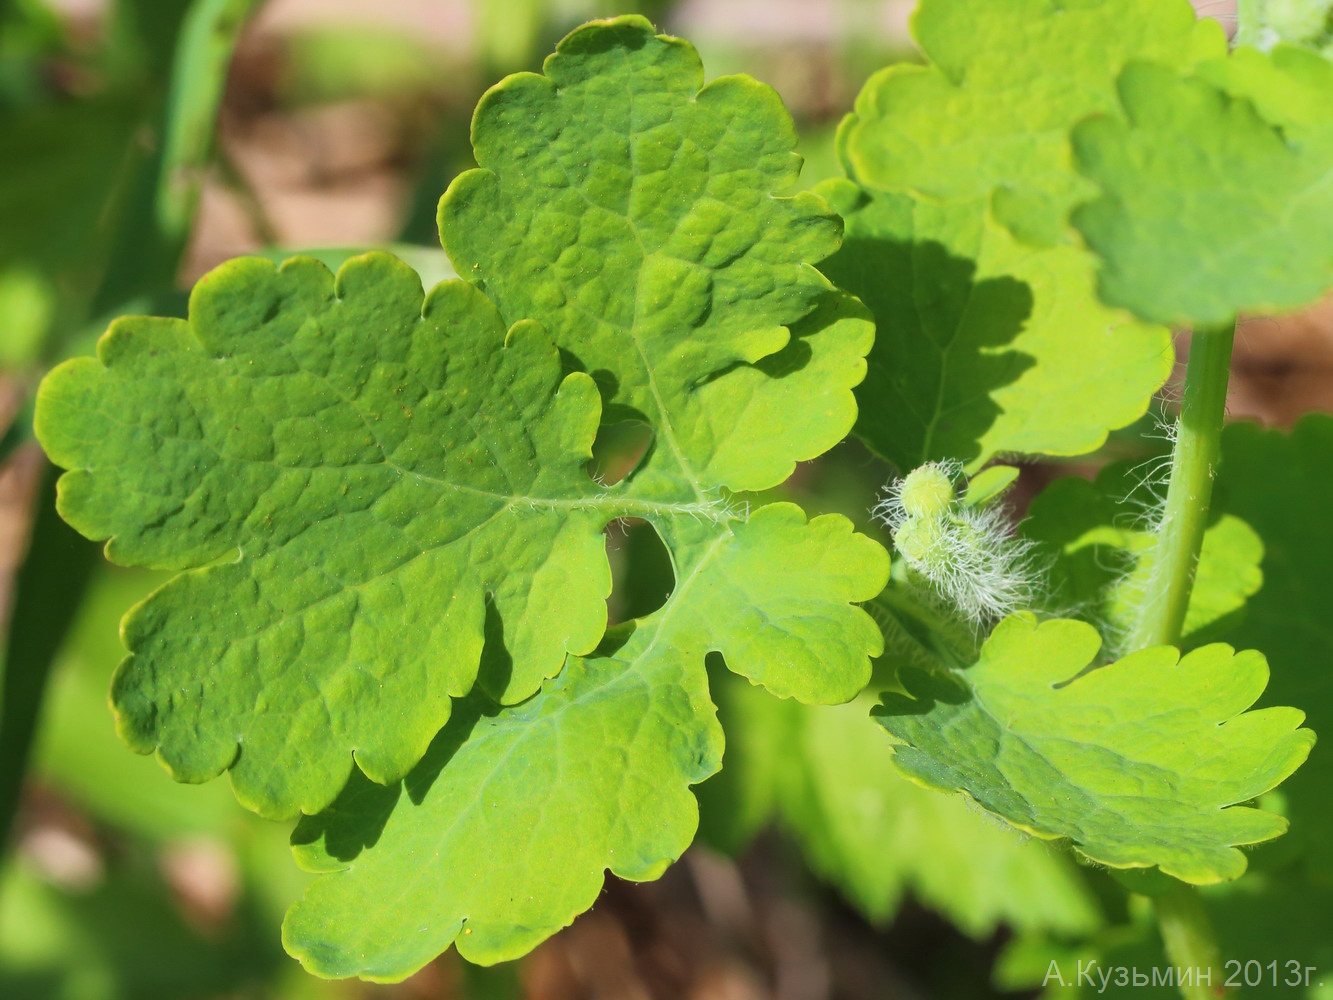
(927, 687)
(357, 817)
(942, 337)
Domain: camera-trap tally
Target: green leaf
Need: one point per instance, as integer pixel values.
(991, 337)
(77, 751)
(985, 346)
(379, 501)
(590, 774)
(1101, 547)
(1278, 482)
(628, 208)
(1288, 87)
(1141, 762)
(987, 117)
(503, 832)
(822, 773)
(877, 836)
(1207, 209)
(430, 263)
(989, 485)
(352, 495)
(379, 504)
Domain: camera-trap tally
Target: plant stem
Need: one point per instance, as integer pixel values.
(1191, 946)
(1193, 464)
(145, 259)
(56, 570)
(1186, 931)
(160, 215)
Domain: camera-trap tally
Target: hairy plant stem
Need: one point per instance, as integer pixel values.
(1186, 930)
(1190, 491)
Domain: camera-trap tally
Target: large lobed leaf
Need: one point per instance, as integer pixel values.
(629, 209)
(503, 832)
(1216, 191)
(1138, 763)
(380, 503)
(1283, 906)
(988, 116)
(361, 475)
(991, 336)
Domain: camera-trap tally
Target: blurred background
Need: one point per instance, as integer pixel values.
(145, 141)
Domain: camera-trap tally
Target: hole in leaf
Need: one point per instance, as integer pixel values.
(642, 574)
(620, 448)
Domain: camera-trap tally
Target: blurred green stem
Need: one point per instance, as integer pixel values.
(1191, 946)
(161, 211)
(198, 81)
(48, 590)
(239, 185)
(145, 258)
(19, 431)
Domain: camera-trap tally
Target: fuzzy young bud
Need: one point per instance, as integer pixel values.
(926, 492)
(967, 555)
